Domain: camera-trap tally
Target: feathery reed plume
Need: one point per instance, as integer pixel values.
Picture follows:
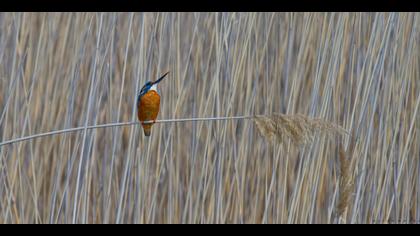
(300, 129)
(345, 185)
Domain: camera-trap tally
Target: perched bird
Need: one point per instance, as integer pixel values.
(148, 103)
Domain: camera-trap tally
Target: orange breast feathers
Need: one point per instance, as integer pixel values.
(148, 108)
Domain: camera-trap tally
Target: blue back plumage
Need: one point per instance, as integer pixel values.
(144, 90)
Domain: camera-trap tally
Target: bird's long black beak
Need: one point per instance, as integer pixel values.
(161, 78)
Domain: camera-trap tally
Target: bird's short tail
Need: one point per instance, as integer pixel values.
(147, 128)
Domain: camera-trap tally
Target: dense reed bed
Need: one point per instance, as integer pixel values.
(322, 71)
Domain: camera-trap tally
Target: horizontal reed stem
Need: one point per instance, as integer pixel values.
(26, 138)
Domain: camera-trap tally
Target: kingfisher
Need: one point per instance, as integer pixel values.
(148, 104)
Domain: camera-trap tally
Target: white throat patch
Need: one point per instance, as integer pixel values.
(154, 87)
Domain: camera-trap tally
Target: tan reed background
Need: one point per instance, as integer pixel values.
(65, 70)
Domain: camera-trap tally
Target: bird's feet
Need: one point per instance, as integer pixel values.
(147, 122)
